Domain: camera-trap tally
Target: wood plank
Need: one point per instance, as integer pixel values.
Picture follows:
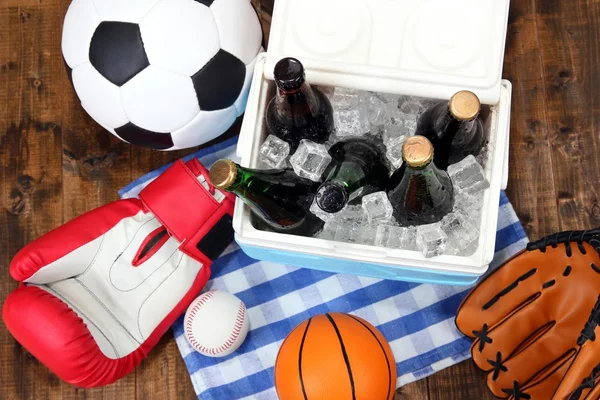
(164, 372)
(463, 381)
(11, 199)
(31, 183)
(570, 51)
(418, 390)
(265, 12)
(531, 176)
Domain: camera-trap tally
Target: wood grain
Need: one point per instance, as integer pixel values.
(570, 54)
(32, 198)
(531, 175)
(56, 163)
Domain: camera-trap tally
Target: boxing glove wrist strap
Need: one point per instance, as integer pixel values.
(191, 209)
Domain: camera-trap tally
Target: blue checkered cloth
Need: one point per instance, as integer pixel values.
(417, 319)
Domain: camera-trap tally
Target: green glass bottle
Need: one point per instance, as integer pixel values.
(425, 193)
(278, 197)
(454, 128)
(358, 168)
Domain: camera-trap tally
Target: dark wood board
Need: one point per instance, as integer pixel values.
(56, 163)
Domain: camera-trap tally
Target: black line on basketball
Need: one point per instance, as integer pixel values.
(300, 359)
(346, 360)
(382, 349)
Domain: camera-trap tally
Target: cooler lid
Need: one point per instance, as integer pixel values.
(429, 48)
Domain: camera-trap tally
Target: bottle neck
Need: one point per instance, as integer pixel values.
(244, 181)
(422, 170)
(451, 126)
(297, 103)
(350, 175)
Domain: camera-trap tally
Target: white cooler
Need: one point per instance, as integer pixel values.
(424, 48)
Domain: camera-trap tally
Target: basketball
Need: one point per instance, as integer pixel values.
(335, 356)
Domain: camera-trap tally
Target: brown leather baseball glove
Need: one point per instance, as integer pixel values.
(535, 320)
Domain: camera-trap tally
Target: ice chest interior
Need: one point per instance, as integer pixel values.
(429, 49)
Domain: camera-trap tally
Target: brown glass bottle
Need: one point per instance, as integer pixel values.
(298, 110)
(278, 197)
(425, 193)
(454, 128)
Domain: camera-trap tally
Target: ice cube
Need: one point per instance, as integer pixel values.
(394, 151)
(482, 157)
(469, 204)
(349, 232)
(328, 231)
(397, 117)
(351, 123)
(344, 99)
(431, 240)
(392, 132)
(355, 232)
(274, 152)
(412, 105)
(310, 160)
(368, 234)
(376, 109)
(354, 213)
(388, 98)
(461, 231)
(377, 207)
(396, 237)
(347, 214)
(468, 175)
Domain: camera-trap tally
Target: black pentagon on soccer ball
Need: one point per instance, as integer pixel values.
(117, 51)
(219, 83)
(133, 134)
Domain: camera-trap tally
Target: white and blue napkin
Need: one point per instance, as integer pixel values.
(417, 319)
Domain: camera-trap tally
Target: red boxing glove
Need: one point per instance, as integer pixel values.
(99, 292)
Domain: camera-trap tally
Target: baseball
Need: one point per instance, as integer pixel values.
(216, 324)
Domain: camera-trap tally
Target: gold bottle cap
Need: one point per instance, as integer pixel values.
(417, 151)
(465, 105)
(223, 174)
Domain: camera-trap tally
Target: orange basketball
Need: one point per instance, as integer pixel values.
(335, 356)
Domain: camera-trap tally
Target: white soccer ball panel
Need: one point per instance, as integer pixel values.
(124, 10)
(80, 23)
(205, 127)
(159, 100)
(180, 36)
(239, 28)
(242, 100)
(99, 97)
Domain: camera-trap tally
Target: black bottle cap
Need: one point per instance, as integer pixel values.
(332, 197)
(289, 74)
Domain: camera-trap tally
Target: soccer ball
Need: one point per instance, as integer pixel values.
(164, 74)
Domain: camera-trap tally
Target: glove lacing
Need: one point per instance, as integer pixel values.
(587, 383)
(516, 392)
(590, 326)
(592, 237)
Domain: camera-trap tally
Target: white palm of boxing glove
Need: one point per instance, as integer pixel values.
(99, 292)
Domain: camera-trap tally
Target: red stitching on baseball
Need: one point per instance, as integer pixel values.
(239, 321)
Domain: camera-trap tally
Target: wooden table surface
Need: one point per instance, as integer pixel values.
(56, 163)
